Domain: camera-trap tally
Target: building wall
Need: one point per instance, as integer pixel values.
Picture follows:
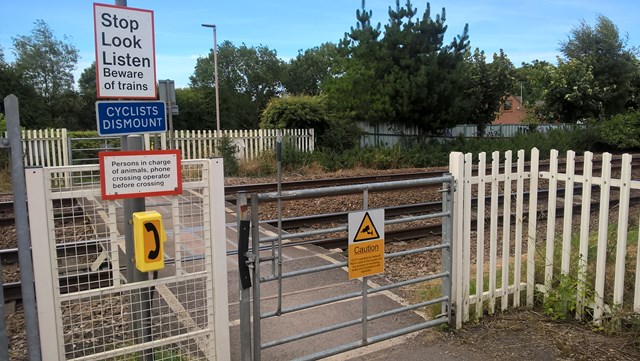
(513, 114)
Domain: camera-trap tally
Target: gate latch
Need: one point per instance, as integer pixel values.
(243, 258)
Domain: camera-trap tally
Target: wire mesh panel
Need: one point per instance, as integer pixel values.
(81, 270)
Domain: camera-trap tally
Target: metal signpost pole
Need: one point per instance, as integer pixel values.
(142, 309)
(215, 76)
(22, 227)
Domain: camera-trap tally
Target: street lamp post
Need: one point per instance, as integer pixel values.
(215, 74)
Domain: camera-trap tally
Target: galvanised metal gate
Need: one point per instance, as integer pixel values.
(305, 307)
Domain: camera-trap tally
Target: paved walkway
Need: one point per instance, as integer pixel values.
(308, 288)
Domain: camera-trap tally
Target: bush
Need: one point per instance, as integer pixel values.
(621, 131)
(339, 136)
(227, 150)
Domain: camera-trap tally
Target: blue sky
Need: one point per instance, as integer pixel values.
(526, 30)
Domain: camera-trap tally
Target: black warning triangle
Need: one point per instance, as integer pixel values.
(367, 230)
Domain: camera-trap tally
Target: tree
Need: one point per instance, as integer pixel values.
(572, 93)
(196, 109)
(307, 71)
(489, 86)
(356, 90)
(295, 112)
(614, 66)
(87, 81)
(46, 64)
(32, 106)
(87, 97)
(248, 78)
(409, 76)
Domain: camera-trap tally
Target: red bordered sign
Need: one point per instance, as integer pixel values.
(125, 52)
(138, 174)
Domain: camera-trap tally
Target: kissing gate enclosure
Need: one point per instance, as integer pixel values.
(86, 306)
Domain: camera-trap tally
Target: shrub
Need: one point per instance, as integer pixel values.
(621, 131)
(227, 150)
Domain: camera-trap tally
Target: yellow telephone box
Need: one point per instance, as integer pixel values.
(149, 236)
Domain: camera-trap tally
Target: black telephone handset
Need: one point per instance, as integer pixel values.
(153, 254)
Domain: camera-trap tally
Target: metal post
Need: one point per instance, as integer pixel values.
(22, 227)
(447, 235)
(215, 75)
(244, 276)
(365, 282)
(141, 309)
(172, 142)
(279, 253)
(4, 339)
(255, 246)
(141, 312)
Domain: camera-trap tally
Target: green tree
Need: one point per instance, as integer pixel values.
(531, 80)
(88, 98)
(307, 71)
(32, 106)
(572, 93)
(248, 78)
(489, 86)
(613, 65)
(410, 76)
(357, 90)
(197, 109)
(45, 64)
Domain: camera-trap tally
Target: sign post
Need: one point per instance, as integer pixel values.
(126, 69)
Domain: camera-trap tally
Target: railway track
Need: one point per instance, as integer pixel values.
(97, 277)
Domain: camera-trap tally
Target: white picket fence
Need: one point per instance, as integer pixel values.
(485, 277)
(51, 147)
(198, 144)
(45, 147)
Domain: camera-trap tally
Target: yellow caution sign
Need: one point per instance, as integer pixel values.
(366, 243)
(367, 230)
(366, 259)
(149, 237)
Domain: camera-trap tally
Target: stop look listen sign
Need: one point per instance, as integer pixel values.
(125, 52)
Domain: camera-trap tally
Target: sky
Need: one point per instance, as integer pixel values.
(525, 30)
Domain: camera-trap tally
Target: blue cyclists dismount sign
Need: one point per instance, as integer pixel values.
(130, 117)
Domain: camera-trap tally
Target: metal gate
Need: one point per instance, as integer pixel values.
(305, 307)
(89, 309)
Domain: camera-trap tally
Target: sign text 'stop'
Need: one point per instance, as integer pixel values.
(125, 52)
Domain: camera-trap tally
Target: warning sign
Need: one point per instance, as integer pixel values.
(366, 243)
(138, 174)
(367, 230)
(125, 52)
(366, 258)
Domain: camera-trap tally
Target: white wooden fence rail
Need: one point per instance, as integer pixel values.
(49, 147)
(523, 242)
